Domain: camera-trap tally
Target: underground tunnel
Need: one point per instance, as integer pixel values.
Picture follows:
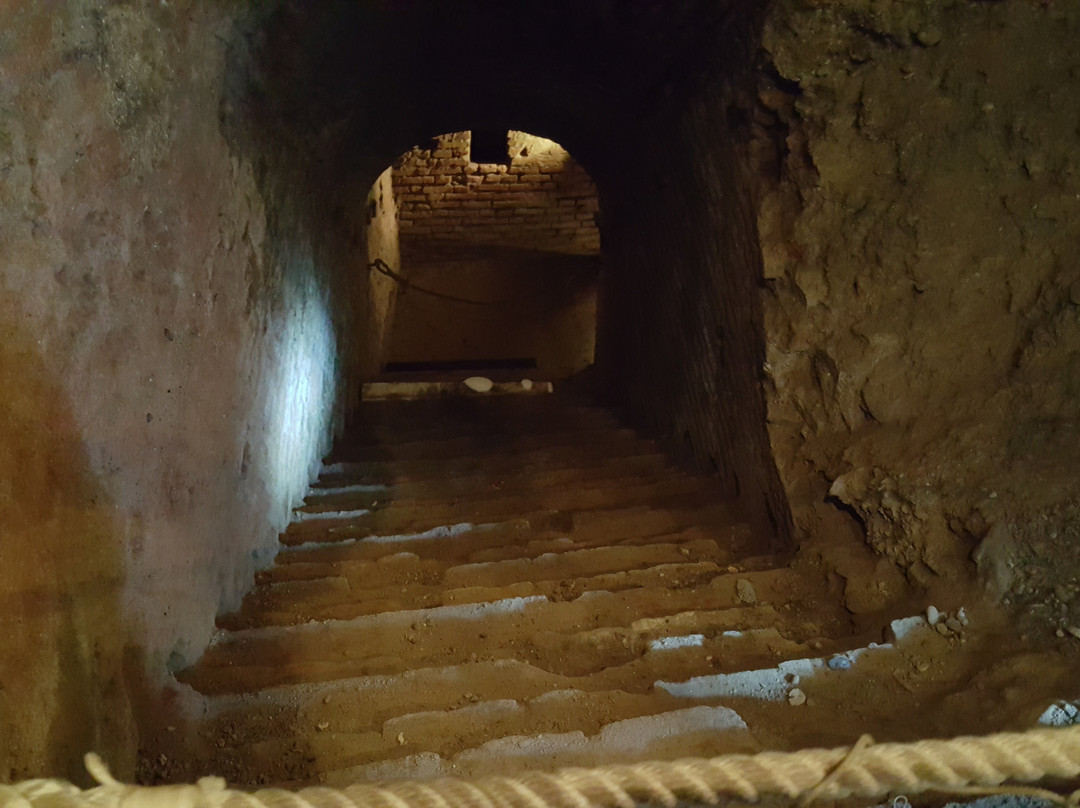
(811, 323)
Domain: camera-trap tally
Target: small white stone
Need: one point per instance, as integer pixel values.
(526, 384)
(479, 384)
(932, 615)
(795, 697)
(961, 615)
(745, 591)
(1073, 630)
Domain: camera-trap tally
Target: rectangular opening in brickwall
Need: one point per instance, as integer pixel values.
(488, 146)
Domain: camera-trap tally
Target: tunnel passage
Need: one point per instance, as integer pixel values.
(485, 261)
(193, 304)
(331, 96)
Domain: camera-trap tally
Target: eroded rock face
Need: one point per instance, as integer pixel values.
(170, 372)
(919, 212)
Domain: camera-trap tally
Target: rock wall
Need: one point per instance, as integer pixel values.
(919, 210)
(169, 352)
(537, 198)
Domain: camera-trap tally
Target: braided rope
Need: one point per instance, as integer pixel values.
(966, 765)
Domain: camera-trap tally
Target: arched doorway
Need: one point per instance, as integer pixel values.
(483, 250)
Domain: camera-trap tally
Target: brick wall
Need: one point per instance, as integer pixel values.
(539, 198)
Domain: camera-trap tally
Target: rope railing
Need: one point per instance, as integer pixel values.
(992, 764)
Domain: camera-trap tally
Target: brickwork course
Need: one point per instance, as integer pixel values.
(538, 198)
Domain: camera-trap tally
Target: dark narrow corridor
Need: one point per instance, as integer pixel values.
(678, 309)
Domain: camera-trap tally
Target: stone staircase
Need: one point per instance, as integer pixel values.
(477, 584)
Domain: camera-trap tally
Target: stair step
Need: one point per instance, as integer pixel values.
(367, 703)
(641, 469)
(550, 457)
(537, 561)
(618, 523)
(580, 563)
(418, 560)
(417, 516)
(616, 670)
(486, 444)
(494, 494)
(391, 642)
(372, 431)
(471, 733)
(704, 731)
(446, 710)
(294, 605)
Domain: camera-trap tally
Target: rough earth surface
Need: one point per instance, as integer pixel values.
(919, 206)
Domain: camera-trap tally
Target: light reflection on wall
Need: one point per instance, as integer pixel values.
(300, 399)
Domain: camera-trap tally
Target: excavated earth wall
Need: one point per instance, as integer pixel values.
(919, 210)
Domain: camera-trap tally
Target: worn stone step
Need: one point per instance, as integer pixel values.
(548, 457)
(538, 561)
(701, 731)
(421, 559)
(372, 430)
(405, 703)
(462, 730)
(458, 541)
(368, 703)
(406, 581)
(613, 523)
(302, 601)
(364, 703)
(486, 444)
(580, 563)
(612, 667)
(404, 415)
(393, 642)
(643, 469)
(523, 494)
(406, 516)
